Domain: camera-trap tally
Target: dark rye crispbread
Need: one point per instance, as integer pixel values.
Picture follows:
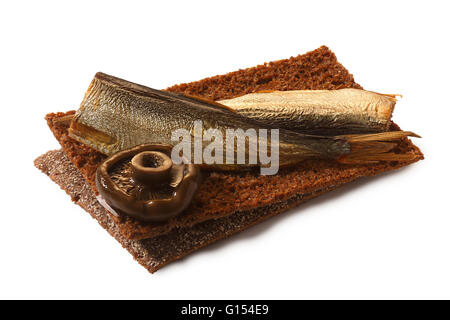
(318, 69)
(224, 194)
(154, 253)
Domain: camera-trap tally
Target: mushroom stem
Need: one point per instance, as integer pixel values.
(152, 167)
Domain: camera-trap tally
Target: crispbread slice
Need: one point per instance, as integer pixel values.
(156, 252)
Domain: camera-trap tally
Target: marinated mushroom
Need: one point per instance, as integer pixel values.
(144, 183)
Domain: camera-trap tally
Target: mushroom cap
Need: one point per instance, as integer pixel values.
(144, 183)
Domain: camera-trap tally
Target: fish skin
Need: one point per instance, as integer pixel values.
(318, 112)
(116, 114)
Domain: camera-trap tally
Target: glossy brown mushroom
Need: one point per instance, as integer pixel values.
(144, 183)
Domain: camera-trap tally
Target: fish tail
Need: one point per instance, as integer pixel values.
(372, 148)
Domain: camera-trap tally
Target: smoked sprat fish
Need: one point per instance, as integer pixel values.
(320, 112)
(116, 114)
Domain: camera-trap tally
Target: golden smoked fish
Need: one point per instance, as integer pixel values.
(320, 112)
(116, 114)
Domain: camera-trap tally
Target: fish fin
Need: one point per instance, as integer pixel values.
(372, 148)
(209, 101)
(391, 96)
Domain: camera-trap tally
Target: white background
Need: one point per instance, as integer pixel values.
(384, 237)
